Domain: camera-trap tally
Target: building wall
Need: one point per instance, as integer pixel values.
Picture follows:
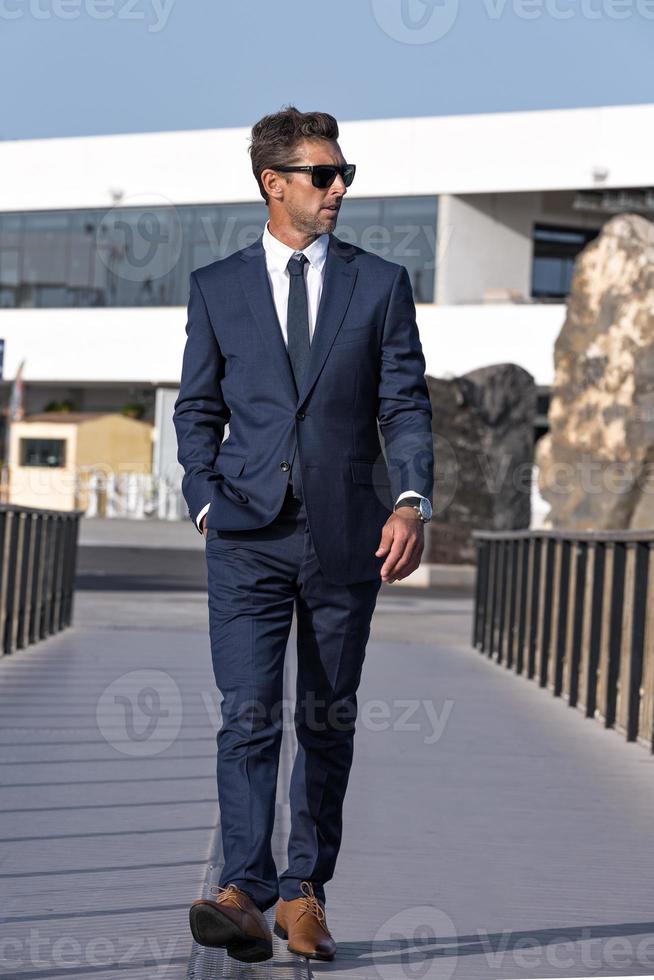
(109, 445)
(484, 242)
(95, 345)
(609, 146)
(109, 396)
(164, 460)
(457, 339)
(115, 444)
(146, 345)
(52, 488)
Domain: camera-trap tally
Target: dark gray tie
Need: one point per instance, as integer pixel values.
(297, 331)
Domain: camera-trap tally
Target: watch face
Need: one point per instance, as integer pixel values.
(425, 509)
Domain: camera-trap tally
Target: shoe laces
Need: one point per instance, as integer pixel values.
(227, 892)
(311, 904)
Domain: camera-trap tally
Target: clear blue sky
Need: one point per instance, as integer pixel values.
(77, 67)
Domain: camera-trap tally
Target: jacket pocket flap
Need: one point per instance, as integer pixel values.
(229, 464)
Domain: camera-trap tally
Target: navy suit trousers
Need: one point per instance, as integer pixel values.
(256, 578)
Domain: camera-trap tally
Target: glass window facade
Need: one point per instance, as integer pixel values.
(42, 452)
(144, 256)
(554, 254)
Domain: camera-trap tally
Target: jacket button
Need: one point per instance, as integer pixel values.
(299, 415)
(284, 465)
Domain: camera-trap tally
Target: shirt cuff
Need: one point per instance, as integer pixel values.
(405, 493)
(201, 515)
(409, 493)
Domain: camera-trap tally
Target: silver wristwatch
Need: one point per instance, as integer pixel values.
(420, 504)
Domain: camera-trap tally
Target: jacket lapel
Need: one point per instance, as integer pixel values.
(338, 282)
(259, 296)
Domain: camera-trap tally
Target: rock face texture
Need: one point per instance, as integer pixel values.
(595, 464)
(483, 427)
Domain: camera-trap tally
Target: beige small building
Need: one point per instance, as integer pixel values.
(54, 455)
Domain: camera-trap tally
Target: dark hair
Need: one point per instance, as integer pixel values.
(275, 137)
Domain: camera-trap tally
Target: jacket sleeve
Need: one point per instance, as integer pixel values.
(200, 413)
(404, 406)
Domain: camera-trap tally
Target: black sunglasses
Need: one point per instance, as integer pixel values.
(324, 174)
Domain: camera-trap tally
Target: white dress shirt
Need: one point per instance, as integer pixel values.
(277, 256)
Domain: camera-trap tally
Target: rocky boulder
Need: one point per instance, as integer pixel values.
(595, 464)
(483, 449)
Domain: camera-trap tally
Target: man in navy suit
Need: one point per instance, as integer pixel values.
(308, 347)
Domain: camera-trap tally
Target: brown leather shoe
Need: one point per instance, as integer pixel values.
(302, 921)
(233, 921)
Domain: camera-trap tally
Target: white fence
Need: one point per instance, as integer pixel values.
(134, 495)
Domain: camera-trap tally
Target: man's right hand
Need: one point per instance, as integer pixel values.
(203, 526)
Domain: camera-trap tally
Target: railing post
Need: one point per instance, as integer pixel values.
(13, 611)
(525, 572)
(646, 712)
(544, 612)
(575, 622)
(501, 599)
(39, 573)
(48, 549)
(613, 604)
(5, 549)
(524, 552)
(68, 593)
(480, 549)
(511, 603)
(594, 623)
(632, 640)
(561, 595)
(535, 570)
(27, 587)
(9, 581)
(57, 573)
(489, 619)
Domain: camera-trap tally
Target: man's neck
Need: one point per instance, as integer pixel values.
(290, 236)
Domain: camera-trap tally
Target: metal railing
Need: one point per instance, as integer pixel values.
(37, 573)
(575, 612)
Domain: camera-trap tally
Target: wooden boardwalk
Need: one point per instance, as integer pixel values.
(490, 831)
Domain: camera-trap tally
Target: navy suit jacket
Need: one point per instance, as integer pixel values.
(366, 367)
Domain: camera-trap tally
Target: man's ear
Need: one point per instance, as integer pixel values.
(273, 184)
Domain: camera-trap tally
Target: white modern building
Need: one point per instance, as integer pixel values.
(98, 236)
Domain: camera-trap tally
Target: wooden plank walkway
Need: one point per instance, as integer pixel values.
(490, 831)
